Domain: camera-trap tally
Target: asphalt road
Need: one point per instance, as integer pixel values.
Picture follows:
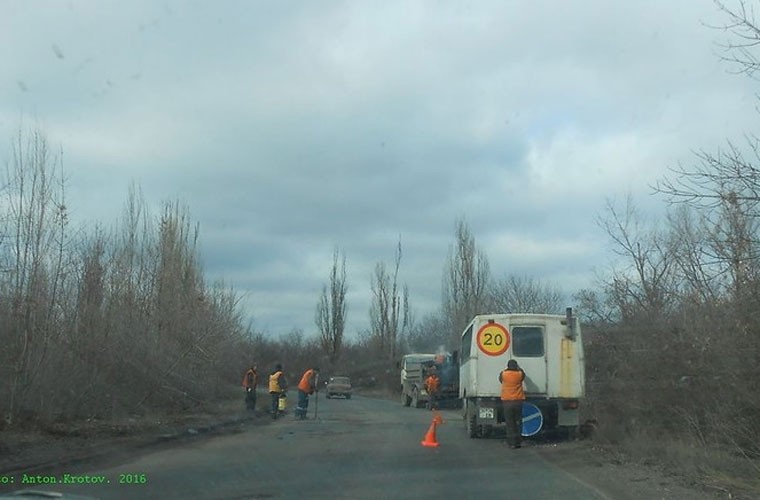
(358, 448)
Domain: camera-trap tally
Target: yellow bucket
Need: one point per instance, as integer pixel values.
(283, 403)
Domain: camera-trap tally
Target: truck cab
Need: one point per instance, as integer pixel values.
(547, 347)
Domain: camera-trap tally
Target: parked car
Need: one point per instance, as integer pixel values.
(339, 386)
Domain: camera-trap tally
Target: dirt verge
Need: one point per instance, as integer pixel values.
(605, 467)
(66, 445)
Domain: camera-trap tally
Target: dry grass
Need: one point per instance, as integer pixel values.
(83, 438)
(717, 469)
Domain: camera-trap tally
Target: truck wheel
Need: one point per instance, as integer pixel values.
(415, 398)
(405, 399)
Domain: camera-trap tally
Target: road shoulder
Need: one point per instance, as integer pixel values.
(112, 441)
(595, 465)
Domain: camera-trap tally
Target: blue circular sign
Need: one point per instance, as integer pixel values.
(532, 419)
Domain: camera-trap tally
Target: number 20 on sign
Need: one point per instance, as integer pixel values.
(493, 339)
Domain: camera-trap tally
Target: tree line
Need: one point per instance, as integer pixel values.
(672, 332)
(108, 322)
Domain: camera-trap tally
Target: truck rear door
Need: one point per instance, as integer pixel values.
(529, 349)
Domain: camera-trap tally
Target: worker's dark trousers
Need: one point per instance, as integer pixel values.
(275, 403)
(432, 403)
(303, 404)
(250, 399)
(513, 419)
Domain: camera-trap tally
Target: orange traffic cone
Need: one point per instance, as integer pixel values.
(430, 440)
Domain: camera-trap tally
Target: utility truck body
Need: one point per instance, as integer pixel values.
(547, 347)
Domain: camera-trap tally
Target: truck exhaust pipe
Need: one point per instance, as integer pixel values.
(570, 322)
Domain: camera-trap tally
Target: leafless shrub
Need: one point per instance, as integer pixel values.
(106, 324)
(675, 360)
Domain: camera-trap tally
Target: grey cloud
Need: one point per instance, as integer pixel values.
(290, 128)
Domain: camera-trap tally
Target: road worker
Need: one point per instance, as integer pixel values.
(306, 386)
(277, 387)
(512, 397)
(433, 387)
(250, 383)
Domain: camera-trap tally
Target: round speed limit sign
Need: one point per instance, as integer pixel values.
(493, 339)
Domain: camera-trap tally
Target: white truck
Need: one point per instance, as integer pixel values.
(547, 347)
(413, 391)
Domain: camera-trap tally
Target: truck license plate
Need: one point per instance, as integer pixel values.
(486, 412)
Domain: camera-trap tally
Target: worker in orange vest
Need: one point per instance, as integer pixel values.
(306, 386)
(433, 386)
(277, 388)
(512, 397)
(250, 383)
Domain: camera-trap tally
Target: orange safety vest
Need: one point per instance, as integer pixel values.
(512, 385)
(432, 383)
(250, 379)
(274, 382)
(305, 384)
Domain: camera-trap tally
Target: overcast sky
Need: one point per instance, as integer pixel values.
(293, 128)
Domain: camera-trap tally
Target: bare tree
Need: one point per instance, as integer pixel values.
(594, 308)
(744, 37)
(465, 282)
(428, 335)
(644, 286)
(724, 186)
(700, 272)
(515, 294)
(717, 249)
(330, 315)
(389, 313)
(727, 175)
(34, 265)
